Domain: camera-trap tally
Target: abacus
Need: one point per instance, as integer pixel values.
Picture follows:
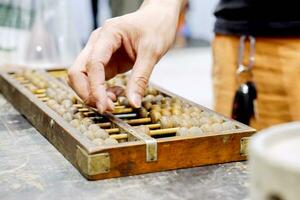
(167, 132)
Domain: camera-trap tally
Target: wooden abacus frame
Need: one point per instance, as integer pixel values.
(142, 154)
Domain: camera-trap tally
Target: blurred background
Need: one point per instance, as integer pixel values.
(50, 33)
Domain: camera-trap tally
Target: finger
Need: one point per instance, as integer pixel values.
(77, 77)
(107, 43)
(117, 90)
(111, 95)
(96, 80)
(139, 78)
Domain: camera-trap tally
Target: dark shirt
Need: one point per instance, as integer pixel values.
(258, 17)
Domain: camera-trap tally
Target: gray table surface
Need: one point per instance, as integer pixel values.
(31, 168)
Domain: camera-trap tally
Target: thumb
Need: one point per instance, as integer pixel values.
(139, 78)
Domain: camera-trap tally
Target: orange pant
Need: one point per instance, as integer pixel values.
(276, 74)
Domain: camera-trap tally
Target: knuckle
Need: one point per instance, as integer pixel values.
(94, 63)
(155, 50)
(109, 25)
(141, 82)
(71, 74)
(95, 32)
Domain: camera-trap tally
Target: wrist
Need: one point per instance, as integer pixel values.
(174, 6)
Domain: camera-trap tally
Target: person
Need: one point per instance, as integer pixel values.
(138, 40)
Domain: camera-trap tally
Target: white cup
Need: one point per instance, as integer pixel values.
(275, 163)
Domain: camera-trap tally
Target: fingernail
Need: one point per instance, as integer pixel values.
(100, 108)
(111, 105)
(136, 100)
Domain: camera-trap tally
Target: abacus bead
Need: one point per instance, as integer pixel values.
(167, 100)
(176, 101)
(101, 133)
(72, 110)
(177, 106)
(152, 91)
(42, 84)
(79, 116)
(50, 93)
(68, 116)
(27, 73)
(176, 111)
(158, 103)
(216, 119)
(123, 101)
(122, 140)
(110, 141)
(98, 141)
(194, 122)
(186, 110)
(166, 106)
(86, 121)
(51, 102)
(143, 112)
(53, 85)
(32, 87)
(82, 128)
(228, 126)
(165, 122)
(185, 123)
(191, 109)
(175, 120)
(165, 112)
(186, 116)
(60, 97)
(75, 123)
(206, 128)
(19, 73)
(147, 104)
(217, 127)
(55, 106)
(67, 103)
(93, 127)
(149, 97)
(89, 134)
(158, 98)
(182, 131)
(156, 107)
(205, 114)
(61, 110)
(204, 120)
(119, 82)
(195, 131)
(155, 116)
(198, 110)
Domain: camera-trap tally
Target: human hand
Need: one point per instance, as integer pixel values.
(135, 41)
